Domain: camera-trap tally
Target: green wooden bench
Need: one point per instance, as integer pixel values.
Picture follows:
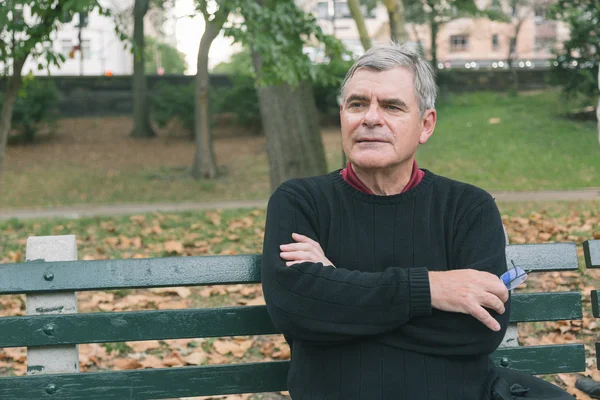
(55, 331)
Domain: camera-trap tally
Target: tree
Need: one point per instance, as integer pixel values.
(204, 159)
(276, 31)
(515, 13)
(577, 61)
(162, 55)
(23, 38)
(141, 114)
(395, 9)
(436, 13)
(359, 19)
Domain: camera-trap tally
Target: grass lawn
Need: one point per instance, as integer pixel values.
(491, 140)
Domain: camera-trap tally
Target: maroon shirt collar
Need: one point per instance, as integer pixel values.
(350, 176)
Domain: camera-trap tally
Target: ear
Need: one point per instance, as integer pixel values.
(427, 125)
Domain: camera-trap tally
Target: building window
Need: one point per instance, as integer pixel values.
(65, 47)
(544, 43)
(86, 47)
(540, 12)
(323, 10)
(342, 10)
(495, 43)
(459, 42)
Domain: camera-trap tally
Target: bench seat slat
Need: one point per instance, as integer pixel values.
(544, 257)
(531, 307)
(159, 383)
(538, 360)
(134, 326)
(591, 253)
(129, 273)
(207, 270)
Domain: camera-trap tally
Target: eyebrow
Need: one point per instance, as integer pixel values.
(391, 101)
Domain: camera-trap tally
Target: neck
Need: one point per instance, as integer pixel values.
(386, 181)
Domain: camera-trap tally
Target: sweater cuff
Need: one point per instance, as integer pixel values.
(420, 292)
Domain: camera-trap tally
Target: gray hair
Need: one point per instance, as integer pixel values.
(384, 57)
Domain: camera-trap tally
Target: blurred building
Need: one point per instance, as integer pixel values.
(102, 51)
(461, 43)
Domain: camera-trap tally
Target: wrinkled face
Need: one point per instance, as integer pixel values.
(381, 126)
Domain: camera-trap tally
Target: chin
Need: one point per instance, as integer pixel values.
(370, 161)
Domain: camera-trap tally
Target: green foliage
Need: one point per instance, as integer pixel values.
(171, 102)
(278, 31)
(21, 37)
(241, 99)
(326, 92)
(239, 64)
(576, 66)
(35, 104)
(171, 59)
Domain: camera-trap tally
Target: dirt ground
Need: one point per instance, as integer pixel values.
(105, 143)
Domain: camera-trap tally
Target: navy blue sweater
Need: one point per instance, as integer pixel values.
(366, 330)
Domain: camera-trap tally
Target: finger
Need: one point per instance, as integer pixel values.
(304, 239)
(297, 255)
(492, 301)
(482, 315)
(492, 284)
(295, 247)
(290, 263)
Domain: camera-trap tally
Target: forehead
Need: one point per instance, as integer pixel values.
(396, 82)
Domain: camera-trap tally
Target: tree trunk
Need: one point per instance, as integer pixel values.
(141, 115)
(512, 54)
(434, 33)
(359, 19)
(204, 160)
(598, 107)
(10, 96)
(395, 9)
(291, 124)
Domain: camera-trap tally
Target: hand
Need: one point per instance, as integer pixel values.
(468, 291)
(304, 250)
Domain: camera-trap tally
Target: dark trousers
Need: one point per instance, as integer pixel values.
(538, 388)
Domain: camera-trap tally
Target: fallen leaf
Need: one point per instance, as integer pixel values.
(141, 347)
(126, 363)
(174, 246)
(151, 361)
(196, 358)
(494, 121)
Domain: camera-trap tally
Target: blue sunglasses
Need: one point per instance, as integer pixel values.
(514, 276)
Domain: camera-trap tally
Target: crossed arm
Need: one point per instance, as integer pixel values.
(308, 298)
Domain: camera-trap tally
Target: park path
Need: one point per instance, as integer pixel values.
(127, 209)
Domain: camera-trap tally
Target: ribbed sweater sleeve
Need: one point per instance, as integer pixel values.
(479, 244)
(322, 304)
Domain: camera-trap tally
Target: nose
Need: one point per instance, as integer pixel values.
(372, 117)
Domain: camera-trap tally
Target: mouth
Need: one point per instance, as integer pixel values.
(370, 140)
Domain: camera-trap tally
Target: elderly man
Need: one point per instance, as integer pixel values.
(384, 278)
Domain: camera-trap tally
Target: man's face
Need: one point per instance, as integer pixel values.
(381, 126)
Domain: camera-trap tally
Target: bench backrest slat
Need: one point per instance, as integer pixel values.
(150, 383)
(544, 257)
(103, 327)
(551, 359)
(40, 277)
(531, 307)
(591, 253)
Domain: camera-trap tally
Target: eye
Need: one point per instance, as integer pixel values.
(355, 104)
(392, 108)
